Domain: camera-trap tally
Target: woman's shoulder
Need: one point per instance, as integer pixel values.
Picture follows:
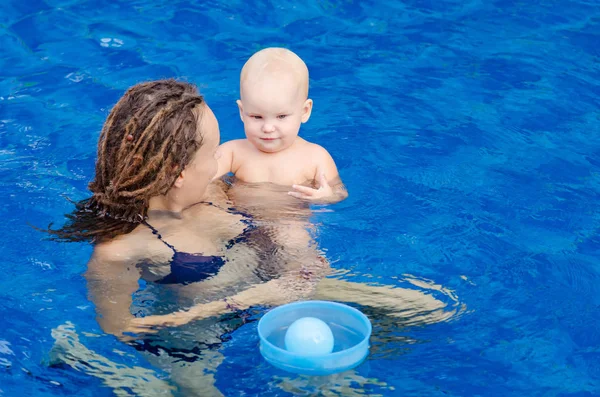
(126, 248)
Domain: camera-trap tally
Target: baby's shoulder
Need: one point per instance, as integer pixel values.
(236, 145)
(313, 149)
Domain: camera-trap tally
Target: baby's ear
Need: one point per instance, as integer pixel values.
(307, 110)
(241, 108)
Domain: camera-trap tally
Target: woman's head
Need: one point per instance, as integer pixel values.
(155, 134)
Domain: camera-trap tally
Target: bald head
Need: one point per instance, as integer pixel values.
(272, 65)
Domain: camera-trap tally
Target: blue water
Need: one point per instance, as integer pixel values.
(467, 133)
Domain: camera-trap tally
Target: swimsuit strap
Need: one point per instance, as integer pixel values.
(157, 234)
(246, 220)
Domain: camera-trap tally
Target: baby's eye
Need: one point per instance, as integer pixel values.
(282, 116)
(255, 117)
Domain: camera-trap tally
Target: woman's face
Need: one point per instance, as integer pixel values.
(198, 174)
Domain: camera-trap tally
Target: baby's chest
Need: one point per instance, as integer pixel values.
(287, 172)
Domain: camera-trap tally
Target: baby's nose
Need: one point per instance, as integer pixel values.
(268, 127)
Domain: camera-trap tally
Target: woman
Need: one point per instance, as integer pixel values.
(154, 215)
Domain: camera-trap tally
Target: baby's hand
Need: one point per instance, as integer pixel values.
(307, 193)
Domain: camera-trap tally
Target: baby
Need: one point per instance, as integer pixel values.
(273, 104)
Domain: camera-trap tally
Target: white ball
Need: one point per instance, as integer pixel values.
(309, 335)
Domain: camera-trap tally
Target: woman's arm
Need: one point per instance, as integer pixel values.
(414, 306)
(275, 292)
(300, 272)
(112, 279)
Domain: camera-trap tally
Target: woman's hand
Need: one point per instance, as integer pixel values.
(152, 324)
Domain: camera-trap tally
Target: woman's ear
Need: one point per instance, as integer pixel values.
(179, 181)
(307, 110)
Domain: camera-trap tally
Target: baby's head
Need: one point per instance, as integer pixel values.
(274, 98)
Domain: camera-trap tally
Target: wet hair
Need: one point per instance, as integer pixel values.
(149, 137)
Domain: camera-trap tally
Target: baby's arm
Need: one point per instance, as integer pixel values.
(331, 189)
(327, 173)
(226, 155)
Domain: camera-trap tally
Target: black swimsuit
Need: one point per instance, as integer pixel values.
(188, 268)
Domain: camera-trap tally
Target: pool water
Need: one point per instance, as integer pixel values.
(467, 133)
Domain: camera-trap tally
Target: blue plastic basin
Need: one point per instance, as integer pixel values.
(343, 321)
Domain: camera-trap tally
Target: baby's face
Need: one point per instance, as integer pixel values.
(272, 110)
